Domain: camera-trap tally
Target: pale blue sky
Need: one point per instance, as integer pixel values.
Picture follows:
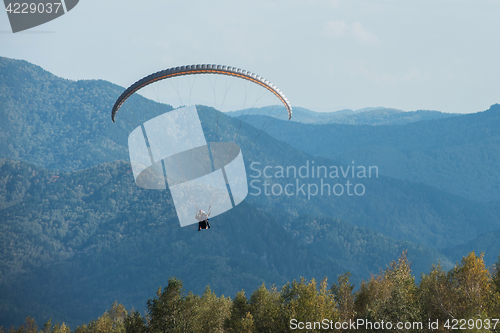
(324, 55)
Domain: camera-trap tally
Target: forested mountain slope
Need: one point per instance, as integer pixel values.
(73, 243)
(65, 125)
(459, 155)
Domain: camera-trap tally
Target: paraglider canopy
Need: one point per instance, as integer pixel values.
(200, 69)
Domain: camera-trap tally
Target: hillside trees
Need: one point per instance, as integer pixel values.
(495, 294)
(30, 326)
(240, 320)
(469, 291)
(305, 302)
(265, 308)
(112, 320)
(392, 296)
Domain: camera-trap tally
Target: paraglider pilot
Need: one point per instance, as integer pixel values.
(202, 218)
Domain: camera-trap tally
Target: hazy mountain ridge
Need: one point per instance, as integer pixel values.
(459, 155)
(365, 116)
(486, 243)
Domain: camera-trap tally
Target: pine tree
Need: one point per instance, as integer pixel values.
(265, 308)
(166, 312)
(240, 320)
(134, 323)
(213, 312)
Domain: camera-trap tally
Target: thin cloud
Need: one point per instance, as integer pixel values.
(341, 29)
(336, 29)
(371, 74)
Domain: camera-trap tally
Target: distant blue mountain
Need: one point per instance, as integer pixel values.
(486, 243)
(365, 116)
(458, 154)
